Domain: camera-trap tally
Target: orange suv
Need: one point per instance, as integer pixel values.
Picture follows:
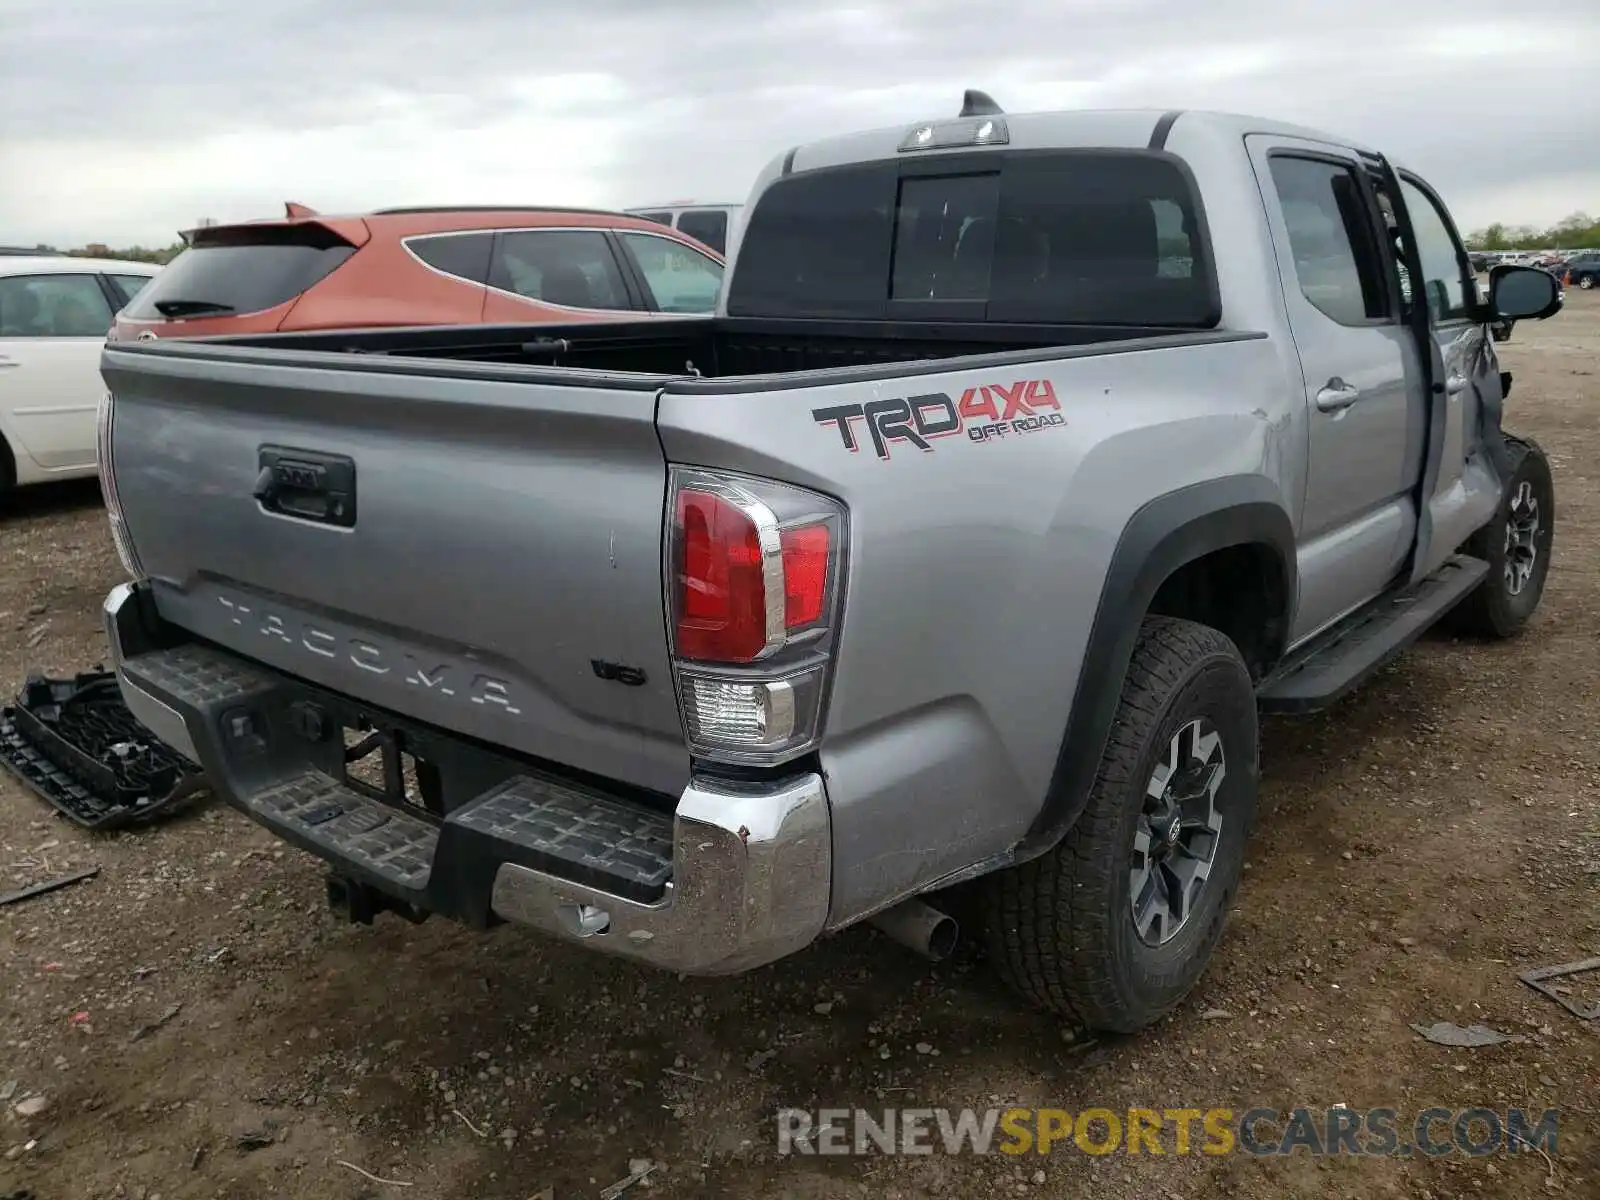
(423, 266)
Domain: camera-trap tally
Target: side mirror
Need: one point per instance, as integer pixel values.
(1523, 293)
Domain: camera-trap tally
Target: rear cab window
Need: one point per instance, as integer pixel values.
(241, 270)
(1093, 237)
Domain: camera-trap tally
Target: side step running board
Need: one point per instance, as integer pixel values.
(1319, 674)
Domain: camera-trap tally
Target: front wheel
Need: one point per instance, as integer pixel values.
(1516, 544)
(1113, 927)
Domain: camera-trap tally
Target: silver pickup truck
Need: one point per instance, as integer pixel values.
(1027, 459)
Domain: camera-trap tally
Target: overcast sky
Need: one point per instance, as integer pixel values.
(123, 122)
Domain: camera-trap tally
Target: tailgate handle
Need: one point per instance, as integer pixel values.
(307, 485)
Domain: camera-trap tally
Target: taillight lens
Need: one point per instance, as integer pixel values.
(806, 561)
(754, 574)
(104, 427)
(723, 577)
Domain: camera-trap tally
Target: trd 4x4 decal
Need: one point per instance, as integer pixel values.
(986, 413)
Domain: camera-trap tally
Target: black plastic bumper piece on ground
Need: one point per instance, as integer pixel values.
(74, 743)
(251, 731)
(1334, 663)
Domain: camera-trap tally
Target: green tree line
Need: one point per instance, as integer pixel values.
(1580, 231)
(146, 254)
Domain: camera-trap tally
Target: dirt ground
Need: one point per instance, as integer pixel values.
(1418, 847)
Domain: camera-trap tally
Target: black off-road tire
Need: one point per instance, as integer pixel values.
(1493, 609)
(1061, 928)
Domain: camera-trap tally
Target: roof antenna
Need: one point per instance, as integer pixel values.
(979, 104)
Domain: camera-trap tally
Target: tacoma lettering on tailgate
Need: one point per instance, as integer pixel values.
(441, 677)
(985, 414)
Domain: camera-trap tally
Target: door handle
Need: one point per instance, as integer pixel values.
(1455, 384)
(1336, 395)
(8, 362)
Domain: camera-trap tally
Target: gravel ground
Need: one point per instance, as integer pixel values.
(195, 1023)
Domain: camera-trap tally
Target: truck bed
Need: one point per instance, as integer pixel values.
(724, 348)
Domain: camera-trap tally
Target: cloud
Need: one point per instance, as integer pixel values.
(124, 125)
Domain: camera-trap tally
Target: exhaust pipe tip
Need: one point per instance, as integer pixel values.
(920, 927)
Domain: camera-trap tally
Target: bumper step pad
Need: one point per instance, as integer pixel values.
(241, 718)
(75, 744)
(339, 822)
(589, 839)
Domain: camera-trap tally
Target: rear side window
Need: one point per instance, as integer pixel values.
(1333, 238)
(707, 226)
(241, 270)
(572, 268)
(1070, 237)
(53, 306)
(130, 285)
(464, 255)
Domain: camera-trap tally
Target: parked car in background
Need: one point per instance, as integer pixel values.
(54, 314)
(424, 266)
(1583, 269)
(712, 224)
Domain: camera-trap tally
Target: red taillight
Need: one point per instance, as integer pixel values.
(805, 574)
(752, 564)
(722, 603)
(755, 583)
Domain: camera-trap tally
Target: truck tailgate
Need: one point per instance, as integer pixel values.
(471, 546)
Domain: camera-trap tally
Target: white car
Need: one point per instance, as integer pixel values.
(709, 224)
(55, 312)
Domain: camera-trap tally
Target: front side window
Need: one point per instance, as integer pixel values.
(1332, 238)
(571, 268)
(53, 306)
(1445, 270)
(681, 279)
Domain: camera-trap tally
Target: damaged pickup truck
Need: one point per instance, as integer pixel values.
(1026, 461)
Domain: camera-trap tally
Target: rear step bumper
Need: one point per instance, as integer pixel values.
(737, 876)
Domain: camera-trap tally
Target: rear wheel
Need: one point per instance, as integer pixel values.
(1112, 928)
(8, 468)
(1516, 544)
